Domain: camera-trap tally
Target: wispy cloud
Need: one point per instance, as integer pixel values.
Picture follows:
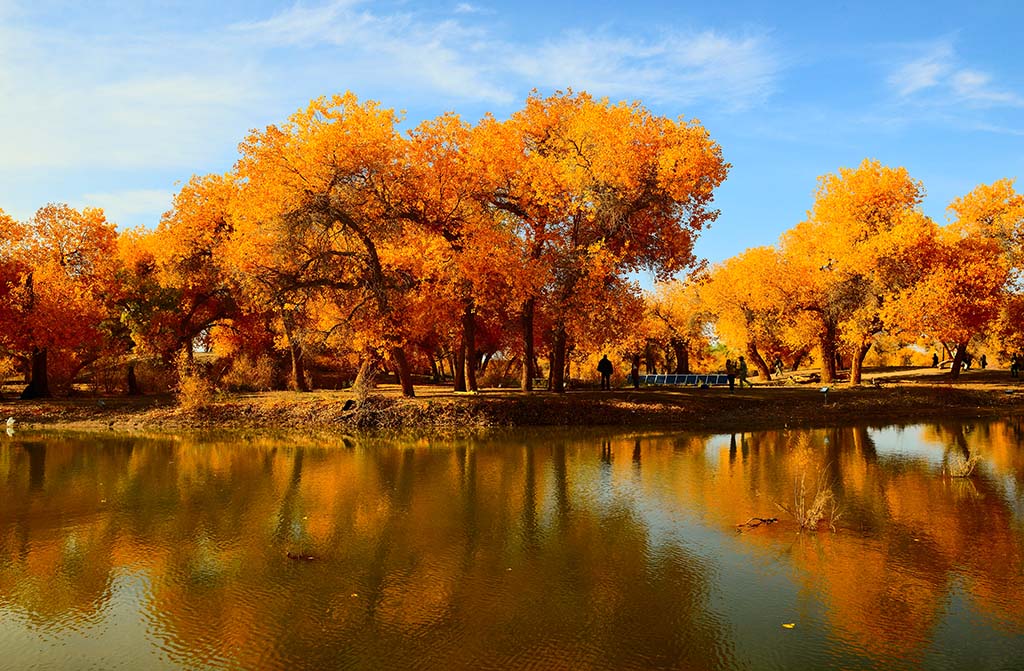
(937, 76)
(468, 60)
(132, 98)
(684, 68)
(922, 73)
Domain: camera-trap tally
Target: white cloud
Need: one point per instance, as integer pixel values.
(131, 205)
(939, 76)
(149, 101)
(682, 68)
(136, 98)
(471, 62)
(924, 72)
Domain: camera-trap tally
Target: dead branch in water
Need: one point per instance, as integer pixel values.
(755, 522)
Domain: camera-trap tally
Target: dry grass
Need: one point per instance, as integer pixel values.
(958, 467)
(811, 508)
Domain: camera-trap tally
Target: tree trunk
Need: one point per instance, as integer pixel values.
(39, 386)
(297, 381)
(469, 345)
(558, 361)
(649, 363)
(509, 367)
(827, 351)
(434, 374)
(485, 362)
(857, 362)
(404, 373)
(526, 382)
(459, 365)
(958, 361)
(634, 370)
(759, 363)
(682, 353)
(798, 358)
(365, 374)
(133, 383)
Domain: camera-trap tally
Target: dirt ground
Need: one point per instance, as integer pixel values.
(901, 396)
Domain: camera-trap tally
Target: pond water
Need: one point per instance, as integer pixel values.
(540, 549)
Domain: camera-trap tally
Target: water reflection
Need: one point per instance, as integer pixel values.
(534, 549)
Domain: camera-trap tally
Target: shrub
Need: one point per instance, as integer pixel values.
(244, 374)
(958, 467)
(809, 508)
(195, 390)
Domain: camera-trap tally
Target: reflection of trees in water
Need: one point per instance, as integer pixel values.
(423, 537)
(498, 550)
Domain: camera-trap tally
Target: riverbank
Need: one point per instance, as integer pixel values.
(902, 398)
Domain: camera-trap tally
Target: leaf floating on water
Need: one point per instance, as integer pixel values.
(788, 625)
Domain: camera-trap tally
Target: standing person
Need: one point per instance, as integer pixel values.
(604, 367)
(634, 371)
(935, 360)
(777, 365)
(742, 370)
(1014, 365)
(983, 362)
(730, 373)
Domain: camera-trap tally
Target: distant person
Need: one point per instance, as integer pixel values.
(604, 367)
(1014, 365)
(777, 365)
(968, 360)
(983, 362)
(741, 370)
(634, 372)
(730, 373)
(935, 360)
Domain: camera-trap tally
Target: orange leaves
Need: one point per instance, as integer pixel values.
(58, 293)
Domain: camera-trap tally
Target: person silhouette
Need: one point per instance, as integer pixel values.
(604, 367)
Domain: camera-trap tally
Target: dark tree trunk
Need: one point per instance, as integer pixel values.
(509, 366)
(759, 363)
(39, 385)
(404, 373)
(682, 353)
(485, 361)
(558, 361)
(649, 363)
(133, 383)
(469, 345)
(434, 374)
(798, 358)
(459, 366)
(526, 383)
(958, 361)
(857, 363)
(634, 370)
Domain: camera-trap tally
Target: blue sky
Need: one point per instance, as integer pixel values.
(115, 104)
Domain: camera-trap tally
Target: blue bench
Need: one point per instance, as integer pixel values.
(691, 380)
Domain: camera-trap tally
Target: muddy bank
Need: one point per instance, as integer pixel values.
(714, 410)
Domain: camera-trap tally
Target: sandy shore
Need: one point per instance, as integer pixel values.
(905, 397)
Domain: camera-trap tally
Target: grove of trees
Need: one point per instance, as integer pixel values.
(339, 245)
